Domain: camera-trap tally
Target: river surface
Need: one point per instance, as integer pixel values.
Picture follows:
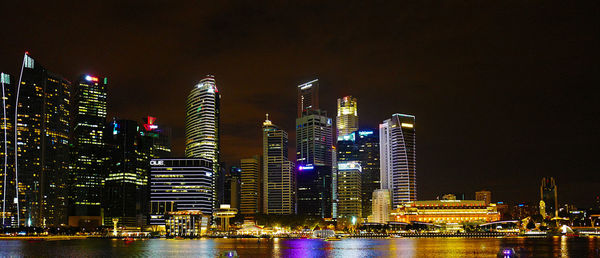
(346, 248)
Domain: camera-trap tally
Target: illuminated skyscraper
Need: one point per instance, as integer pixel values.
(349, 189)
(42, 145)
(278, 171)
(232, 190)
(160, 136)
(398, 158)
(250, 196)
(368, 155)
(88, 151)
(308, 96)
(548, 193)
(347, 116)
(7, 176)
(314, 146)
(202, 125)
(127, 172)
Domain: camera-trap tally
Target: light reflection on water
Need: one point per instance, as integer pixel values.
(347, 248)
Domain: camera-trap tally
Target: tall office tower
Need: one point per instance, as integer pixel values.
(233, 182)
(308, 96)
(314, 158)
(7, 176)
(179, 184)
(398, 158)
(382, 206)
(484, 195)
(160, 136)
(250, 198)
(278, 172)
(42, 114)
(88, 151)
(202, 125)
(127, 168)
(368, 155)
(349, 189)
(347, 116)
(549, 196)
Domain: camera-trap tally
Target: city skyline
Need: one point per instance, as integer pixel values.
(455, 139)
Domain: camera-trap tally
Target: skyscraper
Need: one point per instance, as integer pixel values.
(314, 146)
(549, 196)
(349, 189)
(7, 177)
(42, 114)
(202, 125)
(308, 96)
(160, 136)
(250, 197)
(88, 151)
(233, 182)
(398, 158)
(126, 184)
(347, 116)
(278, 171)
(368, 155)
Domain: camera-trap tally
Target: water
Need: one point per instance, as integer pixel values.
(347, 248)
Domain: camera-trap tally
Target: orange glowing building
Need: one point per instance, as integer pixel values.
(445, 211)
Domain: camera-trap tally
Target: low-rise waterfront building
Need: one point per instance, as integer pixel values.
(445, 211)
(189, 223)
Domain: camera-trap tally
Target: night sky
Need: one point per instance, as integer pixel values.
(503, 94)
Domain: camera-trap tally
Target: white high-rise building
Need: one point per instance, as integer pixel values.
(279, 192)
(398, 158)
(202, 125)
(381, 206)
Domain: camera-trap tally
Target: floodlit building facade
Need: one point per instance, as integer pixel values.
(347, 115)
(445, 211)
(202, 125)
(382, 206)
(7, 175)
(278, 172)
(398, 158)
(349, 189)
(549, 196)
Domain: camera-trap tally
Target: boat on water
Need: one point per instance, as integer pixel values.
(333, 238)
(230, 253)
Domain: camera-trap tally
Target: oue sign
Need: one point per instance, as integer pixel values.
(157, 163)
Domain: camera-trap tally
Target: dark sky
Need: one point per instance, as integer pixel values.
(503, 94)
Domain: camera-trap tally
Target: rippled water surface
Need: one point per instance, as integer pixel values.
(347, 248)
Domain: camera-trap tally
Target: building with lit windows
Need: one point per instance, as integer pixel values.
(159, 135)
(549, 197)
(7, 176)
(398, 158)
(278, 172)
(88, 151)
(42, 119)
(127, 174)
(349, 189)
(186, 223)
(202, 125)
(308, 96)
(483, 195)
(368, 154)
(347, 115)
(179, 184)
(445, 211)
(250, 197)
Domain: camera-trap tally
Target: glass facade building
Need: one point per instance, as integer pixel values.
(250, 197)
(179, 184)
(278, 172)
(7, 176)
(42, 119)
(347, 115)
(202, 125)
(88, 151)
(398, 158)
